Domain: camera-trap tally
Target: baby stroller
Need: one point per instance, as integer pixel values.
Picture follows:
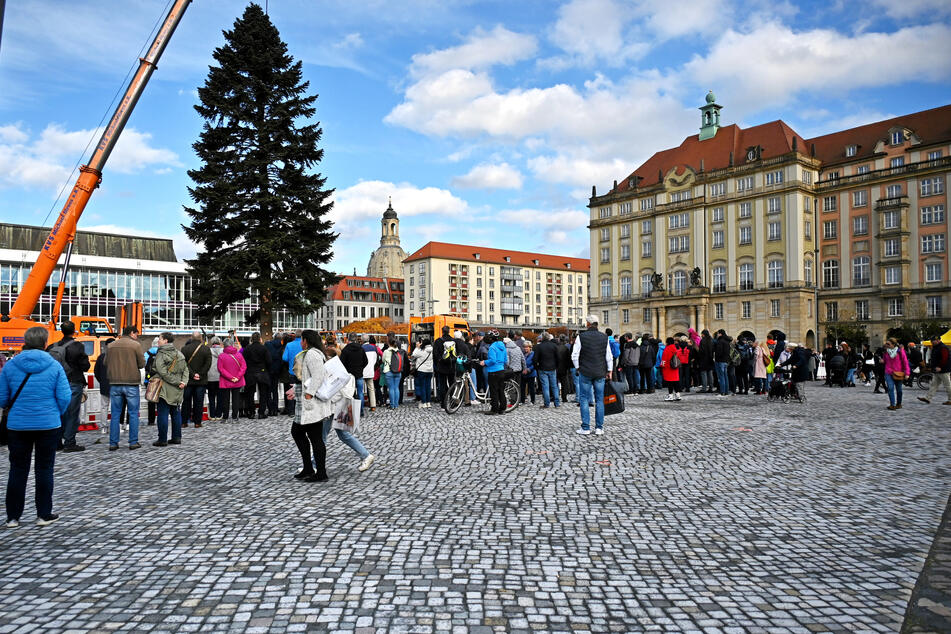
(783, 389)
(836, 371)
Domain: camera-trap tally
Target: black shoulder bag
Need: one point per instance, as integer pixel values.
(6, 412)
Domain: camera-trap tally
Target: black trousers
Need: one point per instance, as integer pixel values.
(496, 395)
(308, 437)
(273, 398)
(442, 385)
(230, 401)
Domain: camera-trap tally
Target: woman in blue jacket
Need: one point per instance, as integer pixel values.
(32, 423)
(495, 366)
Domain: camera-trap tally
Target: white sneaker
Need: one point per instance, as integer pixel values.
(677, 397)
(367, 463)
(669, 397)
(583, 432)
(12, 523)
(421, 405)
(598, 432)
(474, 402)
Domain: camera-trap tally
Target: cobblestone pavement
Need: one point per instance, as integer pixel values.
(713, 515)
(930, 607)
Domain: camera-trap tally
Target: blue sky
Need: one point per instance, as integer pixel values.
(487, 122)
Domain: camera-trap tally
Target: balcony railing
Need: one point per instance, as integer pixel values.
(888, 172)
(888, 204)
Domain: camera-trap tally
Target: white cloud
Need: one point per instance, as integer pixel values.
(368, 199)
(593, 30)
(577, 171)
(349, 42)
(666, 20)
(770, 64)
(555, 227)
(482, 49)
(47, 162)
(487, 176)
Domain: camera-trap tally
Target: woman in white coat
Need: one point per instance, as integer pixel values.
(309, 434)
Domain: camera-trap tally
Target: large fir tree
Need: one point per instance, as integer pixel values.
(261, 212)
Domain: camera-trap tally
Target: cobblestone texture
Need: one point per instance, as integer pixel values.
(709, 515)
(930, 607)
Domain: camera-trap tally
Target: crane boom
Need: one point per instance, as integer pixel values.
(64, 229)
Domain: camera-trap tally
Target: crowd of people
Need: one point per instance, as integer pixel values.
(330, 385)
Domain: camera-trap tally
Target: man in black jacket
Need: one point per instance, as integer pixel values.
(258, 374)
(721, 360)
(705, 361)
(546, 365)
(275, 352)
(198, 357)
(76, 363)
(444, 367)
(645, 364)
(354, 359)
(564, 367)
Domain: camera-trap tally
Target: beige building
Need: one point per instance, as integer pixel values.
(387, 260)
(493, 287)
(724, 230)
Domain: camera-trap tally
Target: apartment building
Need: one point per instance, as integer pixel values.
(356, 298)
(493, 287)
(736, 227)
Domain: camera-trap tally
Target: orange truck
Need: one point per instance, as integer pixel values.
(431, 327)
(60, 240)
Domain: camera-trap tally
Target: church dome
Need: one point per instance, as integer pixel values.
(711, 97)
(390, 213)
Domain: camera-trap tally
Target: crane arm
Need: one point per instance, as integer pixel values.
(64, 229)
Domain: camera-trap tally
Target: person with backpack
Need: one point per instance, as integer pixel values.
(721, 360)
(743, 362)
(444, 353)
(35, 392)
(674, 357)
(71, 355)
(393, 371)
(122, 369)
(102, 378)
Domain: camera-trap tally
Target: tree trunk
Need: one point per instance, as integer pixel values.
(267, 319)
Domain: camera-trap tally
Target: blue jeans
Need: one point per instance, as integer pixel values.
(472, 386)
(69, 420)
(586, 384)
(164, 409)
(359, 391)
(706, 379)
(722, 376)
(193, 403)
(549, 381)
(393, 380)
(424, 386)
(850, 376)
(21, 445)
(129, 395)
(345, 437)
(893, 388)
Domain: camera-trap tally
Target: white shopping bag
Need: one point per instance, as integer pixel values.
(337, 377)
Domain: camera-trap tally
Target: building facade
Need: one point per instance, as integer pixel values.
(760, 229)
(387, 260)
(356, 298)
(492, 287)
(107, 271)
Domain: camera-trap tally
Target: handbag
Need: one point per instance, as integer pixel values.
(613, 397)
(155, 385)
(898, 375)
(6, 412)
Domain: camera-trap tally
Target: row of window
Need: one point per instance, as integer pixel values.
(894, 307)
(862, 272)
(677, 280)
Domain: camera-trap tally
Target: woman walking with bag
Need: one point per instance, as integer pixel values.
(309, 433)
(344, 431)
(35, 393)
(897, 369)
(231, 369)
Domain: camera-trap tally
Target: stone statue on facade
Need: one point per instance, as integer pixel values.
(657, 282)
(695, 277)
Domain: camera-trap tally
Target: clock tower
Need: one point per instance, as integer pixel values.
(710, 117)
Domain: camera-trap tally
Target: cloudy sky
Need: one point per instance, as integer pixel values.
(487, 122)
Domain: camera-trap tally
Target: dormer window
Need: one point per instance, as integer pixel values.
(477, 255)
(568, 266)
(851, 150)
(508, 258)
(898, 137)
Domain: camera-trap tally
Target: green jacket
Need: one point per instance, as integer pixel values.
(170, 365)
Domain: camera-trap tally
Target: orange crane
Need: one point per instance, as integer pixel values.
(14, 324)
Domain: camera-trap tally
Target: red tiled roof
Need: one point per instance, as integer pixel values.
(355, 283)
(931, 126)
(775, 138)
(497, 256)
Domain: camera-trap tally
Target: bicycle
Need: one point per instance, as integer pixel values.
(459, 391)
(924, 380)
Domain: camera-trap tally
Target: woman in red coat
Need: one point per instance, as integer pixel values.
(672, 374)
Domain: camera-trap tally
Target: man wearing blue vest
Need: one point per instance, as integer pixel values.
(591, 355)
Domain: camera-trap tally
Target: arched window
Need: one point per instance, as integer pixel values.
(719, 279)
(746, 277)
(830, 274)
(774, 273)
(606, 287)
(626, 286)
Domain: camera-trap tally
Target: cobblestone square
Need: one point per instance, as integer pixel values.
(708, 515)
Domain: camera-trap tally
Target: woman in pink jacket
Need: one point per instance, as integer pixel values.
(231, 368)
(895, 361)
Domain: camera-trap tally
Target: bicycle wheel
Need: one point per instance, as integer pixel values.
(454, 395)
(513, 395)
(924, 381)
